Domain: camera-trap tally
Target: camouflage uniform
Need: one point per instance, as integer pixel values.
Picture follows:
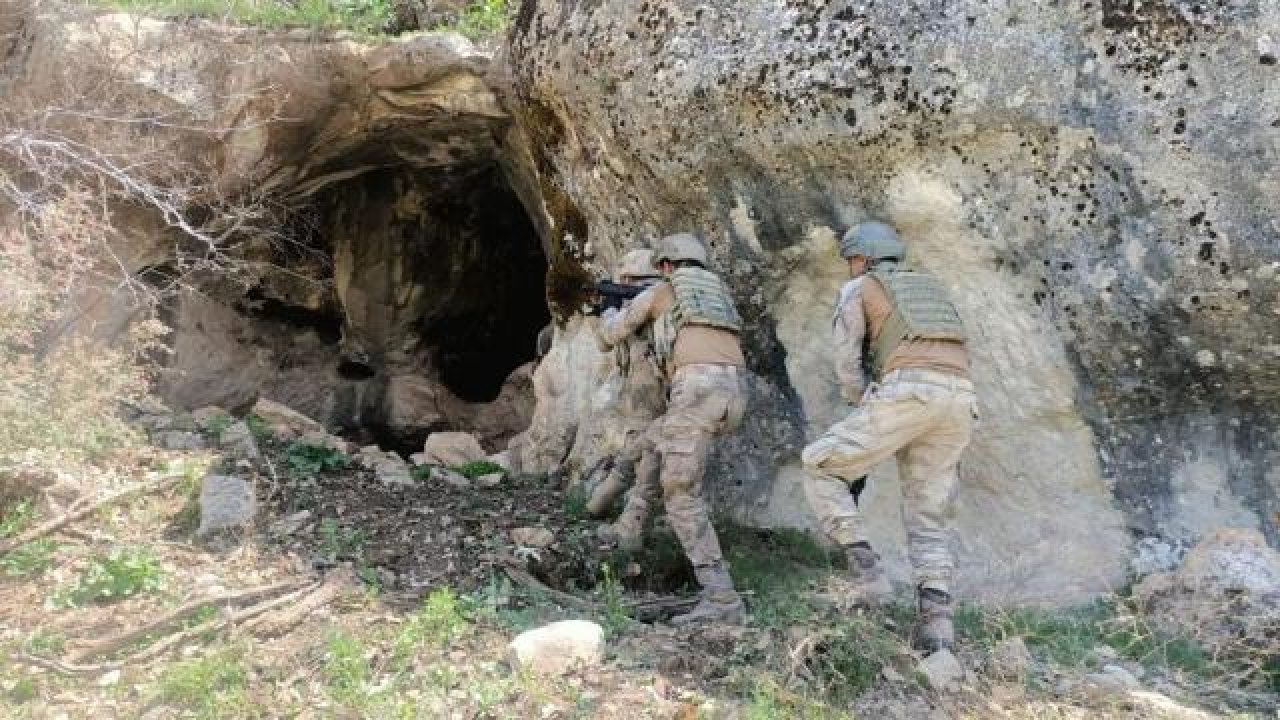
(693, 329)
(920, 409)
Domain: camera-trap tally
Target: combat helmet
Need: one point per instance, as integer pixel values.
(681, 246)
(875, 240)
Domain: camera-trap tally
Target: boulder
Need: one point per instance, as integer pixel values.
(452, 449)
(238, 440)
(558, 648)
(227, 502)
(1226, 594)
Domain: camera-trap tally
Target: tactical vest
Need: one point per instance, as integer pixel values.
(922, 310)
(701, 298)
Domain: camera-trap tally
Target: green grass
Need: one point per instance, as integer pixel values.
(575, 503)
(1069, 637)
(478, 468)
(29, 560)
(339, 543)
(121, 574)
(440, 619)
(769, 701)
(616, 619)
(209, 688)
(778, 567)
(368, 17)
(347, 671)
(482, 19)
(17, 518)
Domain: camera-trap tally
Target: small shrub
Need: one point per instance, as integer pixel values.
(575, 503)
(478, 468)
(337, 542)
(306, 460)
(122, 574)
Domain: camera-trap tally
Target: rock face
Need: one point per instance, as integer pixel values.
(1104, 215)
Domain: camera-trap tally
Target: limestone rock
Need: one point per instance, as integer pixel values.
(452, 449)
(226, 503)
(490, 480)
(558, 648)
(238, 439)
(325, 440)
(942, 670)
(772, 129)
(1112, 681)
(534, 537)
(285, 423)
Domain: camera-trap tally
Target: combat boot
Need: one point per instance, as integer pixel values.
(866, 584)
(935, 631)
(624, 536)
(719, 603)
(605, 494)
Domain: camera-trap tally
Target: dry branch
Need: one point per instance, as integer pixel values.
(643, 610)
(318, 597)
(82, 511)
(111, 645)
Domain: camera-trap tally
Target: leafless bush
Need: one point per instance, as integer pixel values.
(109, 203)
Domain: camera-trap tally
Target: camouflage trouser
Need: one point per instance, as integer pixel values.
(706, 400)
(643, 458)
(926, 419)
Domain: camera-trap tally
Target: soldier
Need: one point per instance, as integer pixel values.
(920, 406)
(641, 402)
(693, 327)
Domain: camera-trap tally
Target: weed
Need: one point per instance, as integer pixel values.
(769, 701)
(30, 559)
(24, 690)
(17, 519)
(362, 16)
(575, 503)
(478, 468)
(123, 573)
(213, 687)
(217, 425)
(616, 618)
(347, 671)
(306, 460)
(436, 623)
(339, 543)
(45, 642)
(258, 428)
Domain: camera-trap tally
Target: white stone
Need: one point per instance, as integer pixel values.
(558, 648)
(534, 537)
(490, 480)
(452, 449)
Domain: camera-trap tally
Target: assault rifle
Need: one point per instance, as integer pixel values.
(605, 294)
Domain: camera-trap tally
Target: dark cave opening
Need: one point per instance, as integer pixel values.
(493, 329)
(440, 272)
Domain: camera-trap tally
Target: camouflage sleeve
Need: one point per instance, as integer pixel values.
(616, 327)
(848, 328)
